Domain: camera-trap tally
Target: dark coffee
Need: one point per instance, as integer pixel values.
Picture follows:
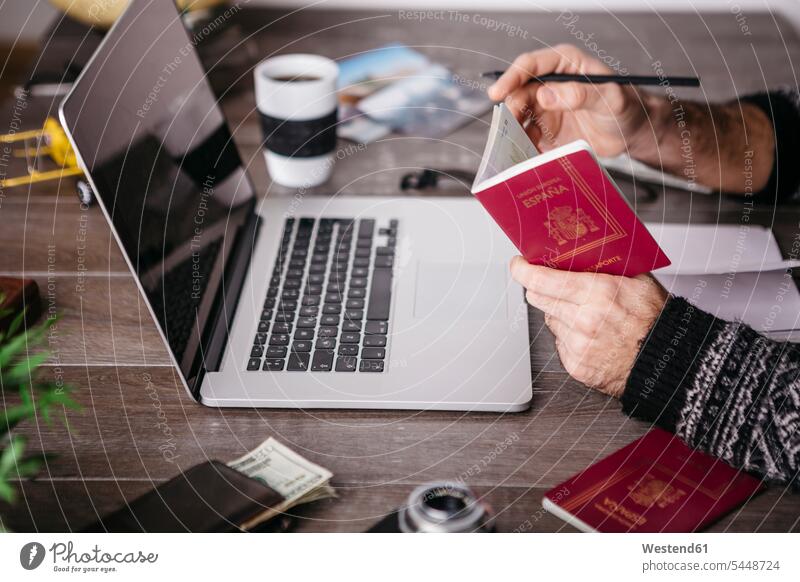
(295, 78)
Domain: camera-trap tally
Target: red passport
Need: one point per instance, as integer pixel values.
(655, 484)
(561, 209)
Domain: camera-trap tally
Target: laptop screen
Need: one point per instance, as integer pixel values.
(151, 135)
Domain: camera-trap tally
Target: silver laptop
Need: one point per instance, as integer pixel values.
(298, 301)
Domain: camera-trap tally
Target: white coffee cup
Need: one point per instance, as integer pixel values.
(296, 100)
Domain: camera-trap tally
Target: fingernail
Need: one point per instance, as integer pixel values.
(546, 96)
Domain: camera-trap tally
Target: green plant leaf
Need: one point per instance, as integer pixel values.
(16, 365)
(41, 399)
(29, 467)
(17, 322)
(12, 416)
(36, 397)
(9, 350)
(11, 455)
(23, 370)
(7, 492)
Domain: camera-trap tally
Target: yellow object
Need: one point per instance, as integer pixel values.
(53, 142)
(103, 13)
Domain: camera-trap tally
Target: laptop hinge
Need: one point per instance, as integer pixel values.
(230, 292)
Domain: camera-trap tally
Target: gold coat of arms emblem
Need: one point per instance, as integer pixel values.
(565, 223)
(655, 492)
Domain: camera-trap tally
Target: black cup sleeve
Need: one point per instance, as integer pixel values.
(300, 139)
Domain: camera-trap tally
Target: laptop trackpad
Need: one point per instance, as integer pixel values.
(461, 291)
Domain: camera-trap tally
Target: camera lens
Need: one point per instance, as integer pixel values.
(447, 503)
(443, 508)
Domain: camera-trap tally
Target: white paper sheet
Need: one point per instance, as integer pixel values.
(768, 302)
(718, 248)
(734, 272)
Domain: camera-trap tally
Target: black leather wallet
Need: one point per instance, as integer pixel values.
(210, 497)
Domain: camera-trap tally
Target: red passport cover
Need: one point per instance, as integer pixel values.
(567, 214)
(655, 484)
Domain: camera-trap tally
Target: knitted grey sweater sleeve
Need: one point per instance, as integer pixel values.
(722, 388)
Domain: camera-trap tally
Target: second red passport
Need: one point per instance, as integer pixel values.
(655, 484)
(567, 214)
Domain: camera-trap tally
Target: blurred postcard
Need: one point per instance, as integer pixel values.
(429, 104)
(368, 72)
(395, 88)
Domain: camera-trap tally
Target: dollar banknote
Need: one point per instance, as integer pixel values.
(294, 477)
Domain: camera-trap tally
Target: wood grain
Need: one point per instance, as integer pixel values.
(103, 320)
(137, 426)
(145, 413)
(58, 236)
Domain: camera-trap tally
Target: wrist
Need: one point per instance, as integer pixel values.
(668, 362)
(760, 138)
(649, 142)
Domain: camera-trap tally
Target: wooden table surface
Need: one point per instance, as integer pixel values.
(137, 427)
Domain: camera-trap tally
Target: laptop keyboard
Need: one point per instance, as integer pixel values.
(329, 297)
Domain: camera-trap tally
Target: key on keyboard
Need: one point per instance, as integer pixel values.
(329, 277)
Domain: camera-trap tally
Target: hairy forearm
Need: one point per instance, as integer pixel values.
(728, 147)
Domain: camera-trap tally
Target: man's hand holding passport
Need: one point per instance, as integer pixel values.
(561, 209)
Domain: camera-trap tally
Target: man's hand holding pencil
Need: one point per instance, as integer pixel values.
(614, 118)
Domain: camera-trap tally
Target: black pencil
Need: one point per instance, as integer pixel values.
(597, 79)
